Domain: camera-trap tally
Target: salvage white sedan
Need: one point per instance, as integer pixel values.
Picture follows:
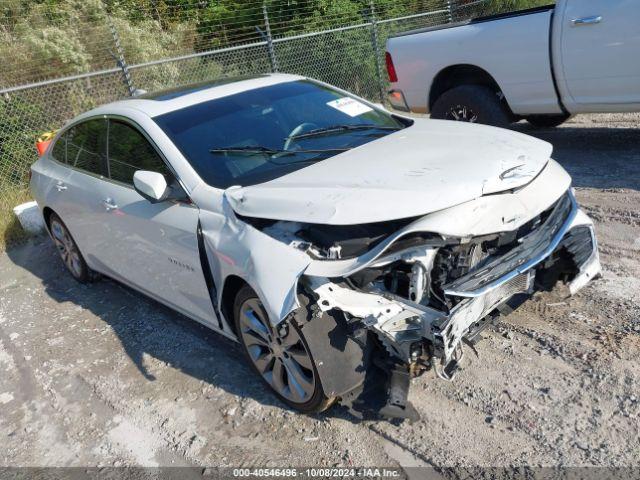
(340, 244)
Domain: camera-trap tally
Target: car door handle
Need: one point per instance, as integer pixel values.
(577, 22)
(61, 187)
(109, 204)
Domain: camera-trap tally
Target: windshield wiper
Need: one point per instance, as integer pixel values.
(248, 149)
(339, 129)
(259, 149)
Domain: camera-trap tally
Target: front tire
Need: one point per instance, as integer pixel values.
(472, 104)
(69, 251)
(279, 355)
(547, 121)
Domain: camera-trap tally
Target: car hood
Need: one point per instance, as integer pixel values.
(429, 166)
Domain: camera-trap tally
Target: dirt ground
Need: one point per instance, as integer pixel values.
(100, 376)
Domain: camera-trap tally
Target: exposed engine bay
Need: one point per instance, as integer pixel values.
(426, 294)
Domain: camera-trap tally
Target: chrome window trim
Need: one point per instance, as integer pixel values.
(131, 123)
(64, 131)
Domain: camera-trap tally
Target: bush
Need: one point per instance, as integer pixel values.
(20, 124)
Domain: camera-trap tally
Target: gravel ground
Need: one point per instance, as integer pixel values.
(99, 375)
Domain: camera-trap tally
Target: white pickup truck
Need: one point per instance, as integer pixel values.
(543, 64)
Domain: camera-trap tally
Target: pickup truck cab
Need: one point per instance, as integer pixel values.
(542, 64)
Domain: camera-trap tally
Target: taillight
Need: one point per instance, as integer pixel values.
(44, 141)
(391, 69)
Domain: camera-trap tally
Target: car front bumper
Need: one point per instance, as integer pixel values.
(514, 273)
(401, 324)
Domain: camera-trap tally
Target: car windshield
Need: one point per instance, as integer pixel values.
(258, 135)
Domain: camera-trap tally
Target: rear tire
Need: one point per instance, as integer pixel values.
(547, 121)
(472, 104)
(274, 354)
(69, 251)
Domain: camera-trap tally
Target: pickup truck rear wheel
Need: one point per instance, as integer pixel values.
(473, 104)
(547, 121)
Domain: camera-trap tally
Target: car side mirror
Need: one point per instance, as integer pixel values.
(151, 185)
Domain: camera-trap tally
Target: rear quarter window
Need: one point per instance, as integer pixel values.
(59, 150)
(86, 146)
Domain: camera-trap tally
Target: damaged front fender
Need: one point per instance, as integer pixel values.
(270, 267)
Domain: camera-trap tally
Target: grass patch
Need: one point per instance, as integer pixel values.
(11, 232)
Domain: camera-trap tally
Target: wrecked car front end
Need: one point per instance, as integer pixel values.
(421, 288)
(423, 301)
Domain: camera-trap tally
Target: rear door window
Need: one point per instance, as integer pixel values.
(130, 151)
(86, 147)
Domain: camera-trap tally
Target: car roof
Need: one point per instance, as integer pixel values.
(159, 103)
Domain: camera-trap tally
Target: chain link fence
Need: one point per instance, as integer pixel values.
(52, 72)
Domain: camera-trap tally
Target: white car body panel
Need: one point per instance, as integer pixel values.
(134, 242)
(394, 181)
(595, 64)
(591, 269)
(461, 180)
(154, 246)
(238, 249)
(71, 195)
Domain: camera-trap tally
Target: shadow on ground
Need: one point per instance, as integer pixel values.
(12, 232)
(595, 157)
(144, 327)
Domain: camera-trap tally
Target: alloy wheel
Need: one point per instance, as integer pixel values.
(66, 248)
(462, 113)
(278, 353)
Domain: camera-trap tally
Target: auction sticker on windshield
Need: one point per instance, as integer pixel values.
(350, 106)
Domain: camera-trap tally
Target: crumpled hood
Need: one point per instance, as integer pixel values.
(427, 167)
